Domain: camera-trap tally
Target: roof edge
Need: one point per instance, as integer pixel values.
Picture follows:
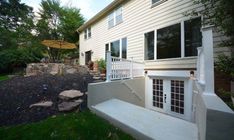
(101, 14)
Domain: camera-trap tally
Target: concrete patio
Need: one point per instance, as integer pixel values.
(145, 124)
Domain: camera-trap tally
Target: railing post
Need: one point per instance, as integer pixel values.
(108, 66)
(207, 41)
(131, 68)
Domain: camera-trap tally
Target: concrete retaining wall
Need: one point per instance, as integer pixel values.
(132, 91)
(214, 119)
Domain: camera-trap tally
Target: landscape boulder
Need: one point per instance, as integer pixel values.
(70, 94)
(68, 106)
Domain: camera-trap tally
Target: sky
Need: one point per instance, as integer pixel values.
(88, 7)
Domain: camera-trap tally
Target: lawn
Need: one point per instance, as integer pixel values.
(74, 126)
(3, 77)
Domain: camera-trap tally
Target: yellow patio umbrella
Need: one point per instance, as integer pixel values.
(59, 44)
(55, 48)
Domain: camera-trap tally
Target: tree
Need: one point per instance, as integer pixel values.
(71, 19)
(16, 23)
(58, 23)
(221, 14)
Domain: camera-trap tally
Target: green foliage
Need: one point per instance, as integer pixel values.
(18, 57)
(58, 23)
(16, 23)
(75, 126)
(226, 97)
(3, 78)
(101, 65)
(219, 13)
(225, 64)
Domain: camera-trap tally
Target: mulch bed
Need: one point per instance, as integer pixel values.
(18, 93)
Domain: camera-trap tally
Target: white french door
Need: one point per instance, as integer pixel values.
(170, 96)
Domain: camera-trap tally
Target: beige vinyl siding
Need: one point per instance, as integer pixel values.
(139, 18)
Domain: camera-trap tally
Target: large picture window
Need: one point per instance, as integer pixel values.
(149, 46)
(169, 42)
(175, 41)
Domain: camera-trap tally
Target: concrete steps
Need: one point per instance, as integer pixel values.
(142, 123)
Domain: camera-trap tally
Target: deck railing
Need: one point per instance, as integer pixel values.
(119, 68)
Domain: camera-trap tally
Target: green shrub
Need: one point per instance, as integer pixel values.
(18, 57)
(101, 65)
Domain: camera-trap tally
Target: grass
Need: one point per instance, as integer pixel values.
(3, 77)
(74, 126)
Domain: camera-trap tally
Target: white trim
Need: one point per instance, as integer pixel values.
(182, 39)
(178, 74)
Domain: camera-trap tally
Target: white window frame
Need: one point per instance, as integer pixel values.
(113, 17)
(120, 46)
(87, 33)
(182, 43)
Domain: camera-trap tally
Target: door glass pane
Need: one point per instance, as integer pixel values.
(177, 96)
(158, 93)
(124, 48)
(193, 36)
(115, 48)
(149, 46)
(169, 42)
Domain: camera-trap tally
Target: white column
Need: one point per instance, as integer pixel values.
(207, 41)
(108, 66)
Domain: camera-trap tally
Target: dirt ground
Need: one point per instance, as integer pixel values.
(18, 93)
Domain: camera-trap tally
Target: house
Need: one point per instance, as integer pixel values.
(160, 59)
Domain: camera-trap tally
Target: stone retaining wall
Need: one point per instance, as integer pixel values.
(53, 68)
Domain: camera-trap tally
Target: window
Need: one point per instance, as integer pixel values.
(87, 33)
(193, 36)
(118, 48)
(124, 48)
(169, 42)
(107, 49)
(175, 41)
(115, 48)
(155, 1)
(111, 20)
(115, 18)
(149, 46)
(118, 16)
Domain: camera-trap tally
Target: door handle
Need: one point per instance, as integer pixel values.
(165, 98)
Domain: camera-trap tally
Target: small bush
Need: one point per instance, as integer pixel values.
(18, 57)
(101, 65)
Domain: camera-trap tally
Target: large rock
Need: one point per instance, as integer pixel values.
(68, 106)
(42, 104)
(70, 94)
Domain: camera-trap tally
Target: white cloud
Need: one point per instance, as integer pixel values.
(85, 5)
(88, 7)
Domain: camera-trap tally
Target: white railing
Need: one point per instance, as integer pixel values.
(119, 68)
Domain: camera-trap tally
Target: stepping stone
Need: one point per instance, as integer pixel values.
(70, 94)
(68, 106)
(79, 101)
(42, 104)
